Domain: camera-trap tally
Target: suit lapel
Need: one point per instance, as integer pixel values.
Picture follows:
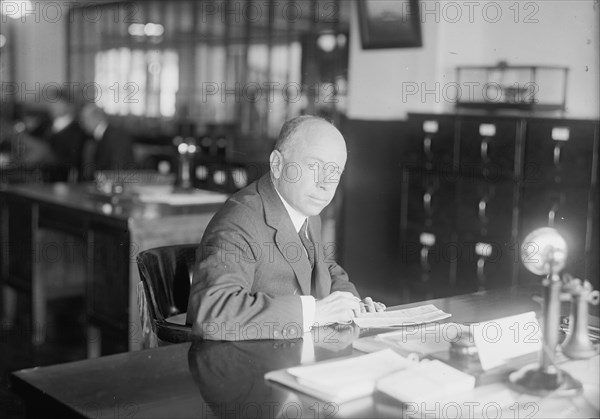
(286, 238)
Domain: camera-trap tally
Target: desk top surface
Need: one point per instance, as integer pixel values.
(84, 197)
(226, 379)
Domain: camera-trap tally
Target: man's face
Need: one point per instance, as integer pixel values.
(309, 171)
(87, 121)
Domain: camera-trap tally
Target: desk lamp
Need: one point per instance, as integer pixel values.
(544, 252)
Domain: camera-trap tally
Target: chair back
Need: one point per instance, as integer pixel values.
(166, 274)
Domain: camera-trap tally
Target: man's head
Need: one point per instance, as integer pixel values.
(91, 116)
(307, 163)
(59, 102)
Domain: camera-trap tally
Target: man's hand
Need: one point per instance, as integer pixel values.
(337, 307)
(367, 305)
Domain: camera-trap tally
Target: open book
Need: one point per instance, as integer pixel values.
(407, 317)
(342, 380)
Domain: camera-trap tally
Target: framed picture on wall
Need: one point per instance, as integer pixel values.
(389, 23)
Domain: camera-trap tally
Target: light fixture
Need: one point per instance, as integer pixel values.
(2, 40)
(15, 9)
(327, 42)
(149, 29)
(544, 252)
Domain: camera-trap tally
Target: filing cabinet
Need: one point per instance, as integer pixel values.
(493, 180)
(484, 262)
(488, 146)
(428, 200)
(433, 146)
(561, 152)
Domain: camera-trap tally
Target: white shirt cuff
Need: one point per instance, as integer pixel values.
(309, 306)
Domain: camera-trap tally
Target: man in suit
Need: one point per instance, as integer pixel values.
(66, 139)
(263, 271)
(111, 148)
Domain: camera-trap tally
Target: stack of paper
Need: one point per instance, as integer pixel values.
(426, 381)
(341, 380)
(410, 316)
(415, 341)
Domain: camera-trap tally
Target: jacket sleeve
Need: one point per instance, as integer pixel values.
(340, 280)
(222, 305)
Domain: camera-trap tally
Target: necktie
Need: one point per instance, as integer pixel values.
(310, 248)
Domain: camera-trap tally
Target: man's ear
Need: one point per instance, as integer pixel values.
(276, 162)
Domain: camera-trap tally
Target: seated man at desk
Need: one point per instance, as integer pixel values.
(110, 149)
(262, 271)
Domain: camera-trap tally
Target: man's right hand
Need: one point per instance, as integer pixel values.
(337, 307)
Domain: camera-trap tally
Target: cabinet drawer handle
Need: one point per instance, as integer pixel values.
(552, 214)
(557, 153)
(427, 202)
(484, 150)
(482, 210)
(427, 146)
(481, 273)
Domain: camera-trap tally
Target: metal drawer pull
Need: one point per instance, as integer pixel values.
(482, 209)
(552, 214)
(484, 149)
(427, 146)
(427, 201)
(557, 155)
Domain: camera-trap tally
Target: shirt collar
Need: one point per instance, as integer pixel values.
(100, 130)
(61, 123)
(297, 218)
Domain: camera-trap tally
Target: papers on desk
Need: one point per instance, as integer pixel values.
(498, 341)
(414, 342)
(341, 380)
(426, 381)
(352, 378)
(407, 317)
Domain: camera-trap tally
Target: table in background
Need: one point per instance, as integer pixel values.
(70, 240)
(226, 379)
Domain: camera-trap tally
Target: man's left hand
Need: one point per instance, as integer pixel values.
(367, 305)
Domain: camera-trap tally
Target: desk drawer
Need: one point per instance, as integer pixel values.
(560, 152)
(488, 146)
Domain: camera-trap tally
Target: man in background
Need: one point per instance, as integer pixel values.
(263, 271)
(110, 148)
(65, 138)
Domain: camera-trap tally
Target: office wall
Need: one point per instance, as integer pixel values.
(560, 32)
(40, 55)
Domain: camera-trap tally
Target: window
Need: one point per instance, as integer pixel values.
(250, 65)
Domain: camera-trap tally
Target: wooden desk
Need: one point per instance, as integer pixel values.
(225, 379)
(68, 239)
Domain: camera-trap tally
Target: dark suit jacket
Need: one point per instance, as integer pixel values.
(114, 151)
(67, 149)
(253, 268)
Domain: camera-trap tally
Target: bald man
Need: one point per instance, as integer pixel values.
(263, 271)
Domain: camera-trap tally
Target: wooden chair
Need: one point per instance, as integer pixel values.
(166, 275)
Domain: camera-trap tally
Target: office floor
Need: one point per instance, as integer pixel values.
(65, 343)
